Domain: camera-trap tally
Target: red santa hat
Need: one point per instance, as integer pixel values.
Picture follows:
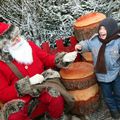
(4, 27)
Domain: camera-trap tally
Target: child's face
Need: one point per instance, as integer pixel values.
(102, 33)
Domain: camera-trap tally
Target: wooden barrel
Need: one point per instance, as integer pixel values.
(78, 75)
(86, 100)
(85, 26)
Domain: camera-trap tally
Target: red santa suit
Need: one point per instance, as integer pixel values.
(53, 105)
(21, 101)
(30, 61)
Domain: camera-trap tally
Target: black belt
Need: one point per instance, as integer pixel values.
(32, 105)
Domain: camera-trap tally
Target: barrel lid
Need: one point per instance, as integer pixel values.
(89, 19)
(77, 70)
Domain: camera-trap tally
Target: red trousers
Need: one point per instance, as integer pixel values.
(50, 104)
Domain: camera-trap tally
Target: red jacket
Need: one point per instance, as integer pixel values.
(8, 79)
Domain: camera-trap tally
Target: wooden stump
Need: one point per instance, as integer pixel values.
(85, 26)
(78, 75)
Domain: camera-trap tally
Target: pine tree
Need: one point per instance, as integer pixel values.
(43, 20)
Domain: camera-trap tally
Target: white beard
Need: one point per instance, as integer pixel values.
(21, 52)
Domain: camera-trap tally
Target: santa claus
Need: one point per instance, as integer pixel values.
(22, 66)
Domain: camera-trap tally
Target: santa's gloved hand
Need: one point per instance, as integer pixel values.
(70, 57)
(36, 79)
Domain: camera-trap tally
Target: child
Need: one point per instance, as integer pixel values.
(105, 48)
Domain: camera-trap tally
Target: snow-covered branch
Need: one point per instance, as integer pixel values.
(43, 20)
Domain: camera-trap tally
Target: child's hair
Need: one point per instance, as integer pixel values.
(110, 25)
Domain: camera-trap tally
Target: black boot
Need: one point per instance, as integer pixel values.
(115, 114)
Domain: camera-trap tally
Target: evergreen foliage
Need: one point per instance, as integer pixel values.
(43, 20)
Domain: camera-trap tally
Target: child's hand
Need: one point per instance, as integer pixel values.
(78, 47)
